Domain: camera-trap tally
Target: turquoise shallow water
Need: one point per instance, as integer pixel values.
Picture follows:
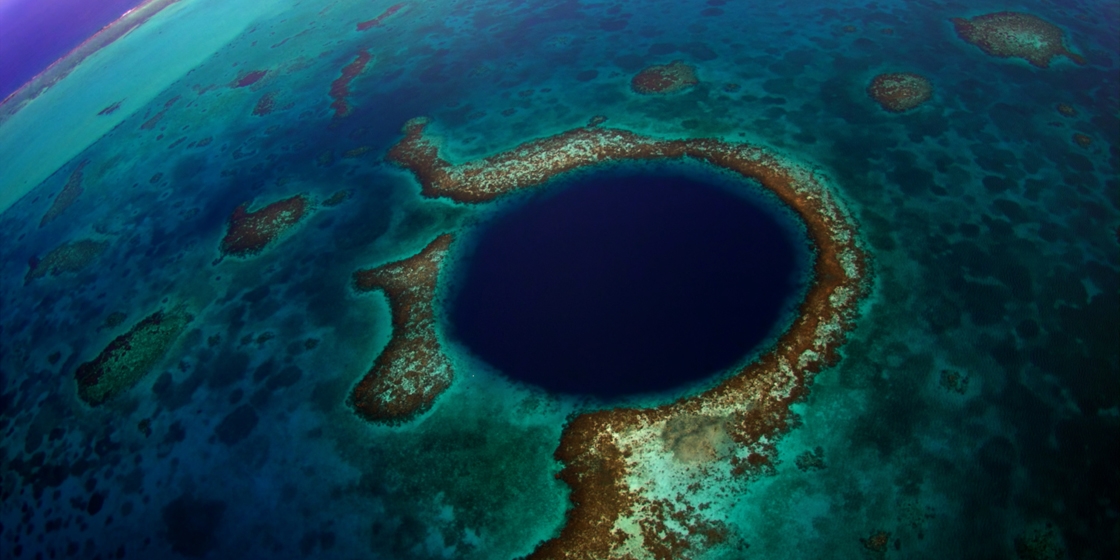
(975, 412)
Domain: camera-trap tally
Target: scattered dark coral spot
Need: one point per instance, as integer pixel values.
(237, 425)
(96, 501)
(587, 75)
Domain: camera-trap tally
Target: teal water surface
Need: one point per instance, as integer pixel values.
(975, 412)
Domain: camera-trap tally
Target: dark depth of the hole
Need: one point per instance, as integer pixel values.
(625, 284)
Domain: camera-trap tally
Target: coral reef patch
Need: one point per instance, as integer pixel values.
(340, 88)
(67, 196)
(66, 258)
(130, 356)
(248, 233)
(900, 92)
(1015, 34)
(664, 78)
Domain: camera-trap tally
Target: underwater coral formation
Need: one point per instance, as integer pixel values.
(340, 88)
(1015, 34)
(900, 92)
(248, 233)
(71, 256)
(664, 78)
(130, 356)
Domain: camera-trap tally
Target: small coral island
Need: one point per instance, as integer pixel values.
(665, 78)
(901, 92)
(1014, 34)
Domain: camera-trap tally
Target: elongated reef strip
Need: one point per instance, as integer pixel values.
(375, 22)
(632, 495)
(340, 87)
(412, 370)
(130, 356)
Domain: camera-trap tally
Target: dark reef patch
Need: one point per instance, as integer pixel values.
(191, 524)
(237, 425)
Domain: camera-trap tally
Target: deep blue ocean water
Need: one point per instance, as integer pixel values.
(627, 283)
(974, 413)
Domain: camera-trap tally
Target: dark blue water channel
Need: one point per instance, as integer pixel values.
(624, 283)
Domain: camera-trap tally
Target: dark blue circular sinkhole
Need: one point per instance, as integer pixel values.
(628, 283)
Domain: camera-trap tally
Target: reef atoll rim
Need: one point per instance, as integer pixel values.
(664, 78)
(1015, 34)
(640, 478)
(900, 92)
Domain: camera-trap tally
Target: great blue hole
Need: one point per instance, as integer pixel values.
(622, 283)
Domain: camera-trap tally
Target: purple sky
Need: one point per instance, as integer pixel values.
(35, 33)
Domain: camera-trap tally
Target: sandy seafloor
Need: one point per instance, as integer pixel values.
(993, 236)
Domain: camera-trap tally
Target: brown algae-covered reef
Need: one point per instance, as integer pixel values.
(248, 233)
(900, 92)
(412, 370)
(642, 479)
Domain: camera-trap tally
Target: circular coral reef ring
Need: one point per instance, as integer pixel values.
(248, 233)
(1015, 34)
(900, 92)
(666, 78)
(640, 477)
